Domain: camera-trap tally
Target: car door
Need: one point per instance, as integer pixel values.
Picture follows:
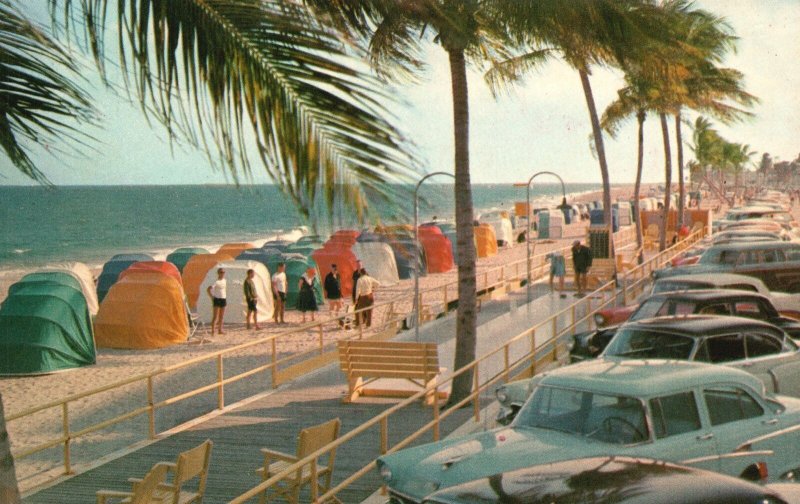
(678, 430)
(735, 416)
(769, 358)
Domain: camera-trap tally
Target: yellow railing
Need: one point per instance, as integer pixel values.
(388, 315)
(538, 356)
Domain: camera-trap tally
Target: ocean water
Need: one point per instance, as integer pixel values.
(40, 225)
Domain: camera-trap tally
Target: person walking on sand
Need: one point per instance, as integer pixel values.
(279, 285)
(333, 290)
(218, 292)
(251, 296)
(557, 269)
(365, 297)
(306, 300)
(581, 261)
(356, 274)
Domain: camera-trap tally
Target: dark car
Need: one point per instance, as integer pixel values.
(714, 301)
(777, 264)
(757, 347)
(607, 480)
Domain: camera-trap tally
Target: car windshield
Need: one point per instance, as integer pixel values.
(641, 344)
(673, 285)
(607, 418)
(661, 308)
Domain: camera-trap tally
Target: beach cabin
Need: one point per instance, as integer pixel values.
(179, 257)
(45, 326)
(501, 223)
(344, 259)
(235, 274)
(406, 253)
(164, 267)
(234, 249)
(195, 271)
(145, 309)
(438, 249)
(485, 241)
(296, 265)
(378, 259)
(113, 268)
(83, 275)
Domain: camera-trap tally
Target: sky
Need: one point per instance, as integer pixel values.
(543, 124)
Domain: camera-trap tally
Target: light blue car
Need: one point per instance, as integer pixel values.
(707, 416)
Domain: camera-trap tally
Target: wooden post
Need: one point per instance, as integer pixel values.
(220, 385)
(151, 413)
(274, 370)
(476, 383)
(9, 489)
(436, 432)
(321, 338)
(384, 435)
(505, 361)
(67, 437)
(444, 297)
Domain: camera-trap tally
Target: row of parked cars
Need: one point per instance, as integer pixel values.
(704, 373)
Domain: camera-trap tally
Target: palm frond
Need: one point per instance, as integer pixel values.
(502, 74)
(261, 79)
(39, 103)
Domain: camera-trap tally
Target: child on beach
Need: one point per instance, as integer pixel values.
(218, 294)
(279, 293)
(251, 296)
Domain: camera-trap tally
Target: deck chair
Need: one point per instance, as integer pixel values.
(651, 237)
(144, 491)
(310, 440)
(624, 264)
(192, 465)
(196, 326)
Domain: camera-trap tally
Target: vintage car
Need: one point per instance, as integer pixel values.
(788, 305)
(610, 480)
(777, 263)
(712, 417)
(748, 304)
(751, 212)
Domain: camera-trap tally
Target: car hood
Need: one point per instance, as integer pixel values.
(418, 472)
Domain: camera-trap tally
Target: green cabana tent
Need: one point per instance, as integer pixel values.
(296, 265)
(179, 257)
(45, 326)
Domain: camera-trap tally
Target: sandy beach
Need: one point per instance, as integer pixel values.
(113, 366)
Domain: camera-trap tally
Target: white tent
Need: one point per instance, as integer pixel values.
(501, 223)
(235, 274)
(378, 259)
(84, 276)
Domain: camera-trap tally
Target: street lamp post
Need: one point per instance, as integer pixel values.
(528, 217)
(416, 249)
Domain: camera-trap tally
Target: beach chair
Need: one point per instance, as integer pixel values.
(191, 466)
(651, 237)
(144, 491)
(196, 327)
(309, 440)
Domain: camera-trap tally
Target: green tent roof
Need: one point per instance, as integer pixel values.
(44, 327)
(181, 256)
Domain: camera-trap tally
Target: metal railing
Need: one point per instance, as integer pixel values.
(547, 353)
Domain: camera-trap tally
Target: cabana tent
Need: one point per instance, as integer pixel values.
(164, 267)
(281, 245)
(406, 251)
(235, 274)
(371, 236)
(296, 265)
(345, 261)
(378, 259)
(83, 275)
(45, 326)
(179, 257)
(485, 241)
(234, 249)
(438, 249)
(143, 310)
(113, 268)
(310, 239)
(305, 250)
(195, 271)
(501, 223)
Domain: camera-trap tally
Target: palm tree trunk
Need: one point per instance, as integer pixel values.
(9, 492)
(640, 117)
(662, 241)
(601, 154)
(681, 185)
(466, 319)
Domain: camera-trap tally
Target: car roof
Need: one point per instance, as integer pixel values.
(644, 377)
(715, 279)
(758, 246)
(709, 294)
(700, 325)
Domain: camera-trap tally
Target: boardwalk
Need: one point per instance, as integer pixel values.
(274, 419)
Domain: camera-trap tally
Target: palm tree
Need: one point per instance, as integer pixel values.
(9, 491)
(249, 80)
(467, 31)
(39, 104)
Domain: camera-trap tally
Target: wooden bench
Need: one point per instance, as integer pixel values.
(365, 362)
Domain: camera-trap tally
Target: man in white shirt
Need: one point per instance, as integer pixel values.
(218, 292)
(279, 284)
(365, 297)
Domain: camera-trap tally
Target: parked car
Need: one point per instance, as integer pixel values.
(777, 264)
(759, 348)
(715, 417)
(608, 480)
(751, 212)
(716, 301)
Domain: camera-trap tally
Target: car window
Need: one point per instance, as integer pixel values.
(674, 414)
(762, 344)
(640, 344)
(792, 254)
(748, 257)
(750, 309)
(725, 257)
(730, 404)
(648, 309)
(722, 349)
(716, 309)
